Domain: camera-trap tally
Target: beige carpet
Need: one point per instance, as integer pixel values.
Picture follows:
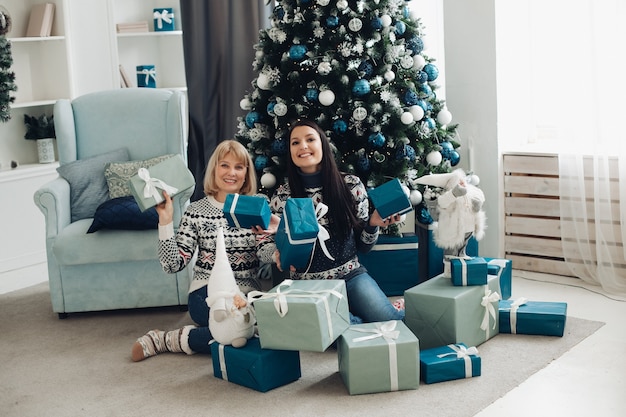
(81, 367)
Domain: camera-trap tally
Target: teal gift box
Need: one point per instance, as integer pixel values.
(505, 272)
(171, 175)
(466, 272)
(245, 211)
(164, 19)
(446, 363)
(378, 357)
(254, 367)
(532, 317)
(439, 313)
(393, 263)
(146, 76)
(297, 232)
(389, 198)
(301, 315)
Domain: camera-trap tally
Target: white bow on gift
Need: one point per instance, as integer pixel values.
(148, 73)
(515, 305)
(487, 300)
(322, 235)
(464, 353)
(151, 189)
(163, 16)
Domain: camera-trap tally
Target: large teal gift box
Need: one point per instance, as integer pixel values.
(164, 19)
(446, 363)
(439, 313)
(389, 198)
(504, 272)
(146, 76)
(532, 317)
(245, 211)
(393, 263)
(297, 232)
(254, 367)
(171, 175)
(378, 357)
(301, 315)
(468, 271)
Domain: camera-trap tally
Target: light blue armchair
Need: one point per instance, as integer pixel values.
(111, 269)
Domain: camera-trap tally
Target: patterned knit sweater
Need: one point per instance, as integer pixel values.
(198, 230)
(344, 250)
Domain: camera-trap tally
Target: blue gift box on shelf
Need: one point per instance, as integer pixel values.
(389, 198)
(466, 272)
(164, 19)
(297, 232)
(532, 317)
(146, 76)
(446, 363)
(504, 269)
(393, 263)
(378, 357)
(301, 315)
(245, 211)
(254, 367)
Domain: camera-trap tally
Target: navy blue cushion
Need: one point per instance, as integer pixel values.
(123, 213)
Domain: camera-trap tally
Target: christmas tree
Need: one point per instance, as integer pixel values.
(7, 79)
(356, 67)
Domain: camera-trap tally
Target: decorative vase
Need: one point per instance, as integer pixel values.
(45, 149)
(5, 21)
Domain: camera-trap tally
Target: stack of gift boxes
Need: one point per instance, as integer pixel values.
(447, 317)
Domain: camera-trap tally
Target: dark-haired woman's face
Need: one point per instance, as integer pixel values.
(305, 146)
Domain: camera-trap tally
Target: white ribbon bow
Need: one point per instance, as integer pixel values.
(148, 73)
(465, 353)
(387, 331)
(151, 189)
(487, 300)
(163, 15)
(322, 235)
(513, 312)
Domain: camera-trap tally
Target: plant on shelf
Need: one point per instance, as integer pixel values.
(41, 129)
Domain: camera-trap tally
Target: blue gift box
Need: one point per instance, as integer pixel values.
(468, 271)
(254, 367)
(432, 255)
(245, 211)
(446, 363)
(297, 232)
(532, 317)
(146, 76)
(393, 263)
(389, 198)
(505, 272)
(164, 19)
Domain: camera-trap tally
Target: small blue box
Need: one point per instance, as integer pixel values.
(533, 317)
(245, 211)
(254, 367)
(164, 19)
(390, 199)
(297, 233)
(505, 271)
(467, 272)
(443, 363)
(146, 76)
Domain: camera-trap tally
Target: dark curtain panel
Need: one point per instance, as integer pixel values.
(218, 40)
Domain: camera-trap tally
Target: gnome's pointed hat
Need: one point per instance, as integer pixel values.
(441, 180)
(222, 281)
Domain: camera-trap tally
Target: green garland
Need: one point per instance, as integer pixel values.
(7, 79)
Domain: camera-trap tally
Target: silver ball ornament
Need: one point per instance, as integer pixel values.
(268, 180)
(434, 158)
(415, 197)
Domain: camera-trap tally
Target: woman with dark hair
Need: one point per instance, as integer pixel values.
(313, 173)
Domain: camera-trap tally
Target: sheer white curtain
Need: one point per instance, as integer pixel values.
(583, 105)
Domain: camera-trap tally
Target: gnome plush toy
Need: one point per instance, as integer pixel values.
(457, 211)
(231, 319)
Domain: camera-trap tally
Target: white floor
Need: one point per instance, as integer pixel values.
(589, 380)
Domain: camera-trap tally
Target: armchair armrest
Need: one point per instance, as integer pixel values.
(53, 199)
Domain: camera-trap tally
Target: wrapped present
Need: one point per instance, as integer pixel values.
(254, 367)
(446, 363)
(170, 175)
(301, 315)
(466, 272)
(431, 256)
(503, 268)
(297, 232)
(378, 357)
(146, 76)
(439, 313)
(245, 211)
(164, 19)
(393, 263)
(389, 198)
(532, 317)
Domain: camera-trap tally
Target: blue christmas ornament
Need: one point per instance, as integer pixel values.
(424, 216)
(270, 108)
(332, 21)
(297, 52)
(312, 94)
(252, 118)
(411, 98)
(415, 44)
(260, 162)
(423, 104)
(279, 12)
(406, 12)
(455, 158)
(425, 90)
(432, 71)
(361, 87)
(363, 164)
(377, 139)
(400, 27)
(430, 123)
(377, 23)
(366, 68)
(340, 126)
(446, 149)
(407, 152)
(421, 77)
(279, 147)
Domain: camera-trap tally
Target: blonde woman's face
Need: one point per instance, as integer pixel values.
(305, 146)
(230, 175)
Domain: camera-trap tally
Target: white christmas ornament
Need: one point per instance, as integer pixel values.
(406, 118)
(417, 112)
(323, 2)
(342, 4)
(444, 116)
(326, 98)
(280, 109)
(474, 180)
(418, 62)
(324, 68)
(355, 24)
(434, 158)
(406, 62)
(263, 81)
(415, 197)
(386, 20)
(268, 180)
(259, 54)
(245, 104)
(359, 114)
(390, 76)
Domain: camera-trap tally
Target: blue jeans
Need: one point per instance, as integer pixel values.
(368, 303)
(199, 311)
